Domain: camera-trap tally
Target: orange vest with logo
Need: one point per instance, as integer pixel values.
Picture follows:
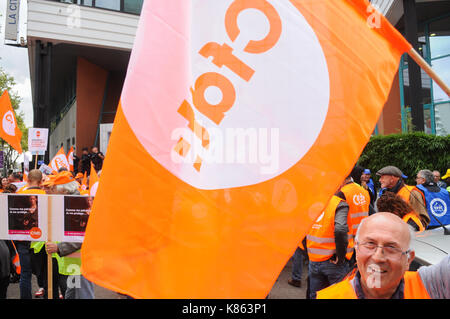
(358, 199)
(415, 219)
(414, 289)
(320, 241)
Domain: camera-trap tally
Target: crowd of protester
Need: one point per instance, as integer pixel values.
(20, 259)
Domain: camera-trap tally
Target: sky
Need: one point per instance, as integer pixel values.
(14, 61)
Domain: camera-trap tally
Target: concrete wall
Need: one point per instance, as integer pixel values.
(66, 129)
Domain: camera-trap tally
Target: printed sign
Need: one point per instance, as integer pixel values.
(37, 140)
(12, 19)
(23, 217)
(70, 215)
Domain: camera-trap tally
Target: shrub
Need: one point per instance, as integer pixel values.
(409, 152)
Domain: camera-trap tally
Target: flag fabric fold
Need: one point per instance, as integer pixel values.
(59, 160)
(306, 80)
(9, 130)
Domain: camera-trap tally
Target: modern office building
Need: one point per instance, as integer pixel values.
(78, 53)
(415, 99)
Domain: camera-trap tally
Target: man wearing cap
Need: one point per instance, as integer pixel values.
(391, 180)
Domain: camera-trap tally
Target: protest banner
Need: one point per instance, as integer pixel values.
(23, 217)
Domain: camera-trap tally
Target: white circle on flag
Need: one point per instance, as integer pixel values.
(276, 115)
(9, 125)
(93, 189)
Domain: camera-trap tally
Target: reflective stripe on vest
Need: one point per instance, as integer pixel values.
(358, 199)
(320, 241)
(414, 289)
(437, 204)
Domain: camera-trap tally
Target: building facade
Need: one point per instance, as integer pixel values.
(415, 101)
(78, 52)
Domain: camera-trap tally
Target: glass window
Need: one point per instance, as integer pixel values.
(108, 4)
(442, 68)
(442, 118)
(440, 37)
(133, 6)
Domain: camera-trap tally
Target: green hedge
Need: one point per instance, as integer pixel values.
(409, 152)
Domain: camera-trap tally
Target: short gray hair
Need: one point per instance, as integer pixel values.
(427, 175)
(69, 188)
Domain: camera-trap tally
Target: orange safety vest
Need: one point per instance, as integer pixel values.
(415, 219)
(405, 192)
(414, 289)
(359, 200)
(16, 260)
(34, 191)
(320, 241)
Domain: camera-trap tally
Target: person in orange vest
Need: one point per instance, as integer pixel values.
(358, 199)
(391, 181)
(383, 259)
(393, 203)
(328, 246)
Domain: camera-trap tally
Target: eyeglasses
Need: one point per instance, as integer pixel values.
(370, 248)
(419, 177)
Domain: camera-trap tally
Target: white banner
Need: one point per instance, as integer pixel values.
(26, 217)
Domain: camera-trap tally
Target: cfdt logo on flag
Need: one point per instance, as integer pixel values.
(248, 110)
(9, 124)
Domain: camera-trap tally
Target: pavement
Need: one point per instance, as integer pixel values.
(280, 290)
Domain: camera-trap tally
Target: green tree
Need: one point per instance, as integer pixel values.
(10, 156)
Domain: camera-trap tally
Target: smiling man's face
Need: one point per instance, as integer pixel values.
(382, 269)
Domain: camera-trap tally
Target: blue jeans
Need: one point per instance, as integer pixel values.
(23, 248)
(297, 264)
(323, 274)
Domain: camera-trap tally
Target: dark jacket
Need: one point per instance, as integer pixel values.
(5, 260)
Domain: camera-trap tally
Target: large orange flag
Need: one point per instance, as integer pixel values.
(240, 133)
(9, 130)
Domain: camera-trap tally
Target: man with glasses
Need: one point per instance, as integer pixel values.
(383, 256)
(437, 179)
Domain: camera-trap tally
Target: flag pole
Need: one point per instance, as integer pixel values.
(50, 291)
(427, 68)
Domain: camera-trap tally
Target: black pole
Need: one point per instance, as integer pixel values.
(415, 79)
